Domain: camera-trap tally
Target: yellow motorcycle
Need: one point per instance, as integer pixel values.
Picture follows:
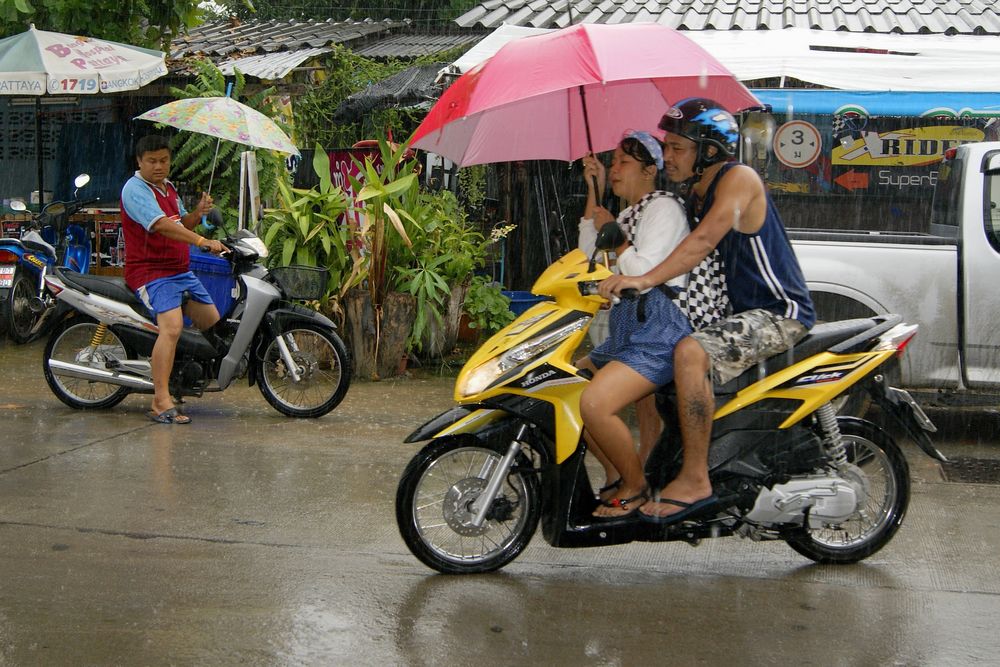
(782, 463)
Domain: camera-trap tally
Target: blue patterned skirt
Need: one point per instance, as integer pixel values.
(645, 347)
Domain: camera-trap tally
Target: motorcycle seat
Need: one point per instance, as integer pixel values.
(112, 287)
(821, 337)
(38, 245)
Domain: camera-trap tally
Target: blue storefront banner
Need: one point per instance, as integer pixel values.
(880, 103)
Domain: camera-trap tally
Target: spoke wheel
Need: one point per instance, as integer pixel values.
(322, 365)
(434, 508)
(881, 467)
(71, 343)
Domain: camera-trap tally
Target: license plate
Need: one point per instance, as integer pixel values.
(7, 275)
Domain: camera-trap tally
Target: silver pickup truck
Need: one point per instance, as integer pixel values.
(947, 281)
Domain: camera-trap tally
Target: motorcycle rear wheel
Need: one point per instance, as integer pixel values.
(434, 500)
(18, 316)
(877, 455)
(71, 342)
(323, 366)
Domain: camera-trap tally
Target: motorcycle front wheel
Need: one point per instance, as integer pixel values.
(75, 341)
(887, 480)
(18, 315)
(434, 507)
(322, 365)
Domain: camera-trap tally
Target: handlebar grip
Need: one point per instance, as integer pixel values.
(629, 293)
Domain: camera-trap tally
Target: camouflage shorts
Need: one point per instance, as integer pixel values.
(741, 340)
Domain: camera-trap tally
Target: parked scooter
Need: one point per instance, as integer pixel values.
(99, 351)
(48, 241)
(783, 465)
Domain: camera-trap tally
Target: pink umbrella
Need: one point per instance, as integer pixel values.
(573, 91)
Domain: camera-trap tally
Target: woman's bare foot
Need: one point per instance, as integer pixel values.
(625, 502)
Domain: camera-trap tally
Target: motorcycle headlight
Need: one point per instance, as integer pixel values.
(489, 372)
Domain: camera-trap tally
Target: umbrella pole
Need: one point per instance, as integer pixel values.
(598, 196)
(211, 177)
(39, 159)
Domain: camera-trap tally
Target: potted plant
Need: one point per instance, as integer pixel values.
(307, 227)
(486, 309)
(380, 317)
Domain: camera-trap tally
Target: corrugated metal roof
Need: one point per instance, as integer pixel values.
(415, 45)
(952, 17)
(229, 38)
(271, 66)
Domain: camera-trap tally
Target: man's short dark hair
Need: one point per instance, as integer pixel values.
(151, 143)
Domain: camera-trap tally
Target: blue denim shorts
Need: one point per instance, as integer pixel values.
(165, 294)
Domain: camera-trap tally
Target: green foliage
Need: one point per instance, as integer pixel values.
(488, 309)
(424, 281)
(105, 19)
(443, 230)
(344, 73)
(307, 227)
(194, 153)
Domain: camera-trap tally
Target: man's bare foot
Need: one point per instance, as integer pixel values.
(624, 503)
(678, 489)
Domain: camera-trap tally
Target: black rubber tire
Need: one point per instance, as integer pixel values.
(269, 367)
(72, 332)
(874, 451)
(521, 483)
(17, 314)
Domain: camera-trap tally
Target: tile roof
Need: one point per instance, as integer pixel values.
(234, 39)
(271, 66)
(951, 17)
(412, 45)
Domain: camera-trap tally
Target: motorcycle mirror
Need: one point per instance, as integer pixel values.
(81, 180)
(609, 237)
(214, 217)
(17, 205)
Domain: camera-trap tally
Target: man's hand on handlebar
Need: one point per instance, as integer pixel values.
(214, 247)
(613, 286)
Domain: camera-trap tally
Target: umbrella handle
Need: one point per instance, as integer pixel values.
(211, 178)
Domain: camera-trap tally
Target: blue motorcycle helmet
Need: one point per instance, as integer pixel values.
(706, 123)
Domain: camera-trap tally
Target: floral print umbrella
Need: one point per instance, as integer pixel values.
(223, 118)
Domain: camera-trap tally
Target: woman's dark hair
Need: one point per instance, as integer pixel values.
(637, 151)
(151, 143)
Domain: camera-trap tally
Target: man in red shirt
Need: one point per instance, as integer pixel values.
(158, 231)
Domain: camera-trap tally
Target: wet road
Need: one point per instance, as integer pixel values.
(250, 538)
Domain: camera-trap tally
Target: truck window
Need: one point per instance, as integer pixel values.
(991, 215)
(946, 206)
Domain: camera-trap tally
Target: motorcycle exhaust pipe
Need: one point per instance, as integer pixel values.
(98, 375)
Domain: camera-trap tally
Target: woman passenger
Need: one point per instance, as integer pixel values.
(637, 357)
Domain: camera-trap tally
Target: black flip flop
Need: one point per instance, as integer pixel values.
(170, 416)
(688, 511)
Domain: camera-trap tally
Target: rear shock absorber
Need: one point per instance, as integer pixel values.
(832, 439)
(98, 337)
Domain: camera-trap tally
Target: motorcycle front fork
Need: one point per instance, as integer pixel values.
(485, 500)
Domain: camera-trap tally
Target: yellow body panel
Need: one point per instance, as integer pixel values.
(812, 396)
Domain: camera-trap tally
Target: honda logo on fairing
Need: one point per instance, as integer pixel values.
(532, 381)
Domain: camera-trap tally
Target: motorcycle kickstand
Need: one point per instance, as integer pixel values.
(485, 500)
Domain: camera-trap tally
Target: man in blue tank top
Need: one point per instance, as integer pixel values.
(729, 209)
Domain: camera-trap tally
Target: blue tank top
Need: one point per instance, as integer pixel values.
(761, 269)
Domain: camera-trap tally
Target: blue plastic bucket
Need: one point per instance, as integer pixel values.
(216, 274)
(522, 301)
